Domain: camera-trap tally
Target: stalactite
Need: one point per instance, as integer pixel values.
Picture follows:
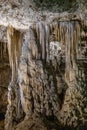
(47, 42)
(43, 84)
(14, 49)
(63, 32)
(76, 38)
(42, 39)
(71, 54)
(33, 43)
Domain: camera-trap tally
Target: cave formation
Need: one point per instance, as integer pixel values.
(46, 76)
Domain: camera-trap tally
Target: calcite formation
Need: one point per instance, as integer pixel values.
(44, 90)
(45, 79)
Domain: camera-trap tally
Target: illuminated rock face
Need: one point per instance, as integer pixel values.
(39, 85)
(44, 72)
(40, 74)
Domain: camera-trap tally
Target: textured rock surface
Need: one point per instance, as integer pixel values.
(39, 78)
(5, 75)
(35, 80)
(44, 86)
(5, 79)
(49, 85)
(22, 13)
(14, 50)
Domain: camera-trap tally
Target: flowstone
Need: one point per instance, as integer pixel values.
(44, 86)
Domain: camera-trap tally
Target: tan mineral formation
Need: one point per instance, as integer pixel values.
(43, 66)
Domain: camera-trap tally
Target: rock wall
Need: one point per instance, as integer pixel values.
(5, 75)
(14, 50)
(44, 90)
